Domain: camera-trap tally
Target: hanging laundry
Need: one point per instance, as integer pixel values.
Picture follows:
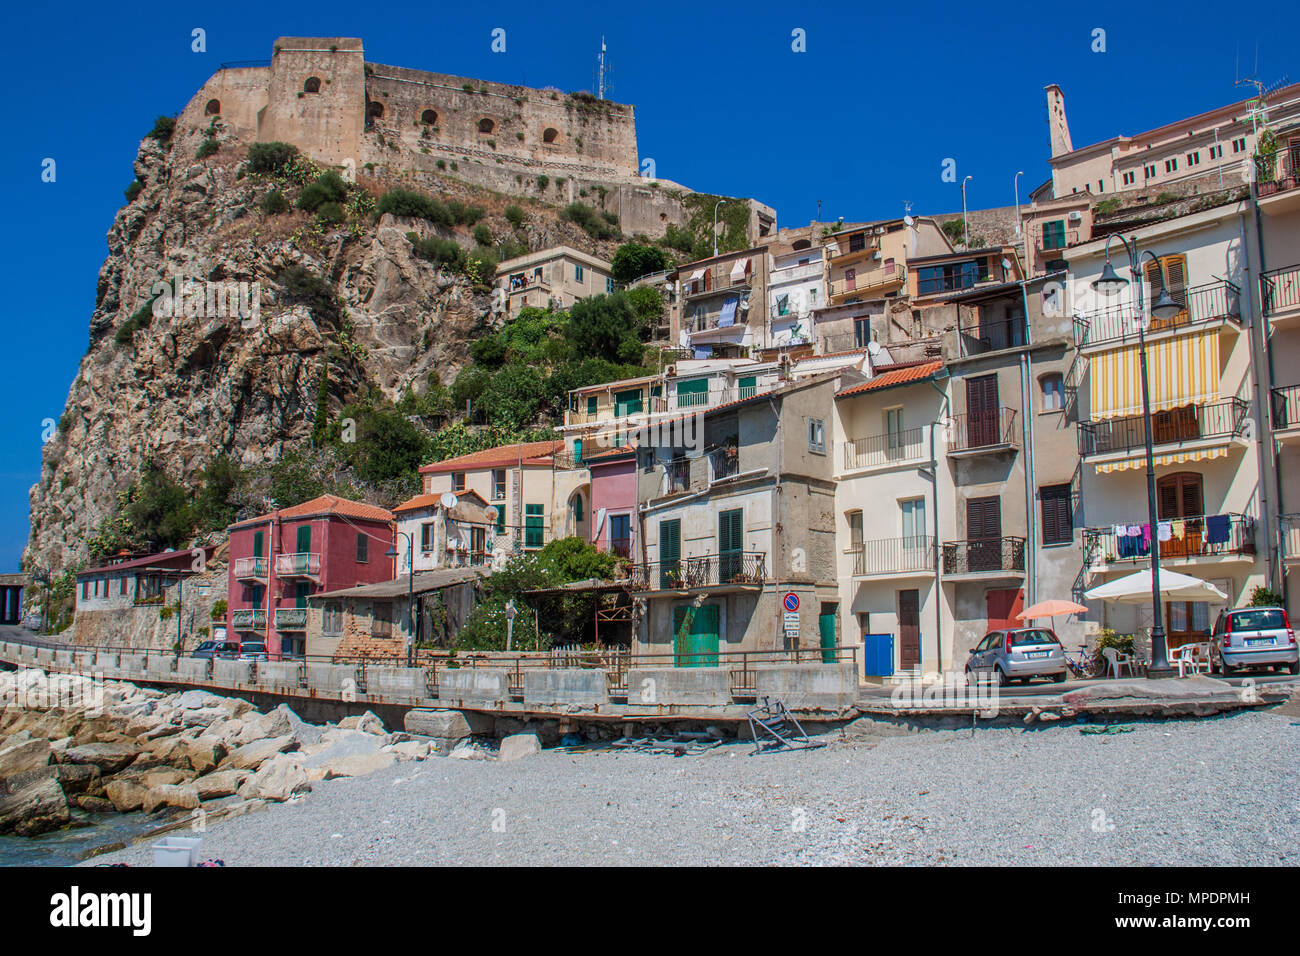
(1134, 531)
(1121, 530)
(1166, 531)
(1218, 528)
(1126, 546)
(1179, 528)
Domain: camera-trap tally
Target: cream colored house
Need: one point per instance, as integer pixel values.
(558, 276)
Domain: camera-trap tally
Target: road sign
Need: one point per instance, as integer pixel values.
(792, 602)
(790, 621)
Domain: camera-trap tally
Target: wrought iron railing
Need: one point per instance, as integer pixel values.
(291, 619)
(297, 564)
(251, 568)
(724, 463)
(248, 619)
(885, 276)
(677, 476)
(904, 445)
(984, 554)
(1285, 402)
(1281, 176)
(711, 570)
(892, 555)
(1171, 426)
(1279, 289)
(991, 336)
(1190, 537)
(1055, 240)
(972, 431)
(1212, 302)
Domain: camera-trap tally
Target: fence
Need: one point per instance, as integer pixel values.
(975, 430)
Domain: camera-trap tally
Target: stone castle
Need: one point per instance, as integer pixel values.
(321, 95)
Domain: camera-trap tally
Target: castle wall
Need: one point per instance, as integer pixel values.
(326, 124)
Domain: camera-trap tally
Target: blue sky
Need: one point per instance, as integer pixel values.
(862, 120)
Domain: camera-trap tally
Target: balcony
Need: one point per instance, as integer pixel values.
(1192, 538)
(1279, 294)
(893, 557)
(248, 619)
(724, 463)
(291, 619)
(985, 556)
(842, 249)
(1285, 413)
(714, 281)
(1050, 241)
(1174, 426)
(1289, 525)
(992, 336)
(1205, 305)
(878, 282)
(740, 569)
(677, 476)
(976, 433)
(883, 450)
(622, 547)
(1283, 177)
(302, 564)
(250, 569)
(797, 273)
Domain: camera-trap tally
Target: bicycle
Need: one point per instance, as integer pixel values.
(1086, 664)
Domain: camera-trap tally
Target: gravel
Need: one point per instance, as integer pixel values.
(1217, 791)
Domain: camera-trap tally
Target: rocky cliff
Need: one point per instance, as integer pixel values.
(183, 388)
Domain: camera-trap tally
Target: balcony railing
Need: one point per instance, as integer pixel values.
(713, 570)
(253, 569)
(1055, 240)
(975, 430)
(1280, 289)
(1171, 426)
(874, 281)
(248, 619)
(677, 476)
(621, 547)
(807, 270)
(893, 555)
(981, 555)
(1286, 407)
(716, 279)
(1285, 174)
(884, 449)
(301, 564)
(724, 463)
(1212, 302)
(992, 336)
(1289, 525)
(291, 619)
(1191, 537)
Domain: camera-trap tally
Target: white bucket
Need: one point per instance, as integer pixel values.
(177, 851)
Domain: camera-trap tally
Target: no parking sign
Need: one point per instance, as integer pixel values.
(792, 602)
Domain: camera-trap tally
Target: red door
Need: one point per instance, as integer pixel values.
(1003, 606)
(850, 278)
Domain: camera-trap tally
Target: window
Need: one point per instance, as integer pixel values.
(577, 508)
(486, 125)
(121, 582)
(1053, 392)
(620, 535)
(609, 285)
(894, 441)
(501, 518)
(947, 278)
(913, 511)
(1054, 234)
(311, 85)
(1171, 165)
(1130, 178)
(429, 118)
(731, 543)
(534, 530)
(817, 436)
(591, 404)
(85, 589)
(1239, 145)
(550, 134)
(857, 242)
(1149, 171)
(426, 537)
(332, 618)
(855, 530)
(381, 619)
(363, 548)
(458, 481)
(1101, 186)
(861, 332)
(1216, 151)
(1057, 514)
(577, 273)
(498, 484)
(1194, 159)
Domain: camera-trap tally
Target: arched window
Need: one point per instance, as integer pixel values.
(486, 125)
(312, 85)
(801, 244)
(550, 135)
(429, 118)
(375, 110)
(213, 108)
(1053, 387)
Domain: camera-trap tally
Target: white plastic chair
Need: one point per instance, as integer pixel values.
(1191, 657)
(1117, 661)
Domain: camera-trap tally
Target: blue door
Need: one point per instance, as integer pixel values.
(878, 655)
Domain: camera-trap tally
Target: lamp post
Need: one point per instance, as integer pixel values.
(1015, 183)
(965, 228)
(720, 202)
(410, 591)
(1163, 306)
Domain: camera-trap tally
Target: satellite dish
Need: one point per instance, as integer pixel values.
(909, 221)
(873, 347)
(448, 500)
(492, 513)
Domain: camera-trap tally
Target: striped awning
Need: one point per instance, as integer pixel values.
(1138, 462)
(1184, 370)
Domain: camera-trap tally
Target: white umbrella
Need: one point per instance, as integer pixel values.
(1136, 589)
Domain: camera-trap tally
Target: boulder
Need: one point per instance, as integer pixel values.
(165, 777)
(446, 727)
(37, 807)
(235, 706)
(518, 746)
(252, 756)
(367, 723)
(159, 732)
(338, 744)
(169, 795)
(203, 716)
(108, 757)
(222, 783)
(22, 756)
(279, 778)
(284, 721)
(125, 795)
(408, 750)
(356, 765)
(194, 699)
(205, 753)
(77, 778)
(95, 804)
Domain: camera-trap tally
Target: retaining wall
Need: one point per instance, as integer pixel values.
(694, 686)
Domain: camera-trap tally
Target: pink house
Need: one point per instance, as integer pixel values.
(613, 499)
(277, 560)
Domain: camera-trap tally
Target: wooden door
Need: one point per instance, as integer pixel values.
(909, 630)
(731, 540)
(850, 279)
(981, 411)
(1180, 497)
(984, 533)
(1003, 604)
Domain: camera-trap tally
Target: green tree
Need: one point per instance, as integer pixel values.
(328, 187)
(632, 260)
(161, 511)
(604, 326)
(217, 501)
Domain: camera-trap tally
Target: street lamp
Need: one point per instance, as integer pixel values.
(965, 229)
(1164, 306)
(410, 591)
(720, 202)
(1015, 183)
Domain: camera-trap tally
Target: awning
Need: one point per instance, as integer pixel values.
(738, 270)
(728, 316)
(697, 274)
(1184, 370)
(1139, 461)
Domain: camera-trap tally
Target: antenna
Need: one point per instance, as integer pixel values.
(603, 85)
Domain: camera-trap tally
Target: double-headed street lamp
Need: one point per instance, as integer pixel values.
(1164, 306)
(410, 590)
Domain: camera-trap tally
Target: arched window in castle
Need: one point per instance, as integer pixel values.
(486, 125)
(551, 135)
(429, 118)
(312, 85)
(375, 110)
(213, 108)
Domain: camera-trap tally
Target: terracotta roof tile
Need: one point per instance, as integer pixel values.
(326, 505)
(429, 501)
(888, 377)
(532, 452)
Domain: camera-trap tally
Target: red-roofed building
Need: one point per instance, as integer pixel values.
(278, 559)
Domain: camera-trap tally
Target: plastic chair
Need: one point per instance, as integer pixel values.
(1117, 661)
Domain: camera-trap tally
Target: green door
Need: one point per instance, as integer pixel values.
(696, 644)
(304, 538)
(826, 627)
(577, 451)
(627, 403)
(731, 537)
(670, 553)
(300, 592)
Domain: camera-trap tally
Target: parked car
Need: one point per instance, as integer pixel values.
(1018, 654)
(252, 651)
(207, 650)
(1253, 637)
(227, 651)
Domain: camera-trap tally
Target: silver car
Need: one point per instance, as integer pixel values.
(1253, 637)
(1018, 654)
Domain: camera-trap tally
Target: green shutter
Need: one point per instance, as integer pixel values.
(591, 405)
(533, 529)
(670, 551)
(748, 386)
(304, 538)
(627, 403)
(301, 590)
(577, 451)
(731, 542)
(257, 543)
(692, 392)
